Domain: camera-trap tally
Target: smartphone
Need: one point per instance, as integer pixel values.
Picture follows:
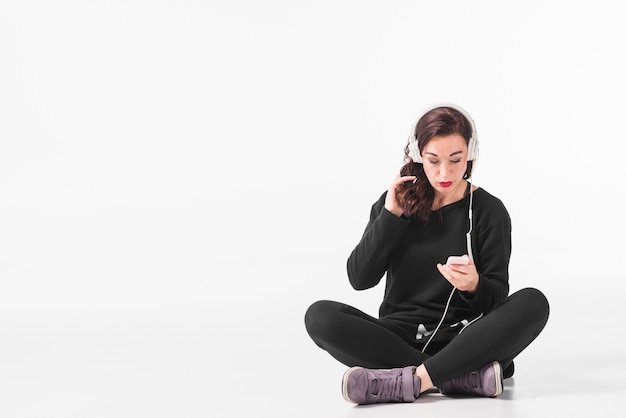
(458, 259)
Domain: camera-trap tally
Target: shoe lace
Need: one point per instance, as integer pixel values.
(387, 387)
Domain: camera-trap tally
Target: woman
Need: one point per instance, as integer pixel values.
(449, 325)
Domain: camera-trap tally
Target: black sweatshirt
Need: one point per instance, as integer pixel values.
(408, 252)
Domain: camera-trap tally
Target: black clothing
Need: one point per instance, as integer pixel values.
(357, 339)
(407, 251)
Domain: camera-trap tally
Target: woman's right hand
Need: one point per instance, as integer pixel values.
(391, 200)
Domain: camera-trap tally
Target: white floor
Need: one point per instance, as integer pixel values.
(164, 347)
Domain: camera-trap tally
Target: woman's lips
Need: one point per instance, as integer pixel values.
(445, 183)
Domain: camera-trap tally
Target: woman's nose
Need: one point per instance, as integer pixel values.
(444, 170)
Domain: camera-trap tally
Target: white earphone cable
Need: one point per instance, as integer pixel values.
(441, 321)
(471, 257)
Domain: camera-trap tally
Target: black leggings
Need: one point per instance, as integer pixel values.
(358, 339)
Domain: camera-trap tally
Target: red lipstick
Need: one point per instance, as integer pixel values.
(445, 183)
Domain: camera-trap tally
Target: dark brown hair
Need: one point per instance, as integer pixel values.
(416, 198)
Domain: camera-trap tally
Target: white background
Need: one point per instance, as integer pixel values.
(179, 180)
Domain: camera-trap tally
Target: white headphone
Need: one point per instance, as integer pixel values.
(472, 155)
(472, 146)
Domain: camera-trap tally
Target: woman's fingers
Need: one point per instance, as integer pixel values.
(391, 202)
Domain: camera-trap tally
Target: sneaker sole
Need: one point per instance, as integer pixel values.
(498, 371)
(344, 383)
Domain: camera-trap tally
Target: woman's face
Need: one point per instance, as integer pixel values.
(445, 162)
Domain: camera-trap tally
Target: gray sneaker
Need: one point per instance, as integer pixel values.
(364, 386)
(482, 382)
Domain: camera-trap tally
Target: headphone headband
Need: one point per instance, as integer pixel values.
(472, 146)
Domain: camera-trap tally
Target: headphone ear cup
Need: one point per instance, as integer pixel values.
(472, 153)
(414, 151)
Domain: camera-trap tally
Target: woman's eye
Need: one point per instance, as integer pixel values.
(433, 162)
(456, 161)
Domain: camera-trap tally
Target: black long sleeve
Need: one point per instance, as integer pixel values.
(370, 258)
(407, 252)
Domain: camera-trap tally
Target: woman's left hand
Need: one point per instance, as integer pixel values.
(463, 277)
